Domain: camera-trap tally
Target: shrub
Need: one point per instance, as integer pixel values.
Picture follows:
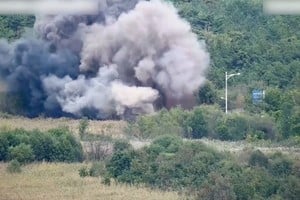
(43, 146)
(257, 158)
(196, 126)
(207, 94)
(216, 187)
(83, 125)
(213, 116)
(106, 180)
(55, 145)
(119, 164)
(290, 188)
(83, 171)
(162, 123)
(169, 144)
(236, 126)
(66, 147)
(122, 145)
(4, 145)
(14, 166)
(97, 169)
(280, 166)
(22, 153)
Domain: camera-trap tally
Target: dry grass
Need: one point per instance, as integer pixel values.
(109, 127)
(241, 146)
(61, 181)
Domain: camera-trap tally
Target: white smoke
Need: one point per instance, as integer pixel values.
(132, 57)
(128, 63)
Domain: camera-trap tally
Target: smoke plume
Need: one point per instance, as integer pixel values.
(131, 58)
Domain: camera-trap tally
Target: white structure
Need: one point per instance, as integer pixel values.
(226, 78)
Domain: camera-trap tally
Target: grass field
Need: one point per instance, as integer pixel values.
(109, 127)
(47, 181)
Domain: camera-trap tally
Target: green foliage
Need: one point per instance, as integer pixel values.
(280, 165)
(162, 123)
(167, 162)
(83, 125)
(83, 172)
(122, 145)
(13, 26)
(202, 173)
(264, 48)
(14, 166)
(209, 121)
(119, 164)
(167, 143)
(196, 124)
(67, 148)
(257, 158)
(105, 180)
(97, 169)
(216, 186)
(207, 94)
(236, 127)
(26, 146)
(290, 188)
(4, 145)
(22, 153)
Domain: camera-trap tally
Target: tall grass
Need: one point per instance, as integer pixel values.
(62, 181)
(108, 128)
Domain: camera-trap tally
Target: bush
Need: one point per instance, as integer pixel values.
(83, 171)
(22, 153)
(66, 147)
(290, 188)
(122, 145)
(119, 164)
(97, 169)
(216, 187)
(280, 166)
(162, 123)
(4, 145)
(83, 125)
(207, 94)
(167, 163)
(25, 146)
(236, 127)
(168, 143)
(196, 126)
(106, 180)
(14, 166)
(43, 146)
(257, 158)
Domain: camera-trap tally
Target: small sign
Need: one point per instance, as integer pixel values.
(258, 96)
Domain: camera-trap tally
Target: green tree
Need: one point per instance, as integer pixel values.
(207, 94)
(196, 126)
(22, 153)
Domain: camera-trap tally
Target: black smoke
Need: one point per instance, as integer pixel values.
(127, 58)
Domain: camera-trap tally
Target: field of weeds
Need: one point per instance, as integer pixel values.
(62, 181)
(108, 127)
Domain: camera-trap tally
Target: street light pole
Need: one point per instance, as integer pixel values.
(226, 78)
(225, 92)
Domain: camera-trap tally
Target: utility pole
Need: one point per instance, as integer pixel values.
(226, 78)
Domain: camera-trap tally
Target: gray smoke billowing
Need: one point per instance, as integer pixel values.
(130, 58)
